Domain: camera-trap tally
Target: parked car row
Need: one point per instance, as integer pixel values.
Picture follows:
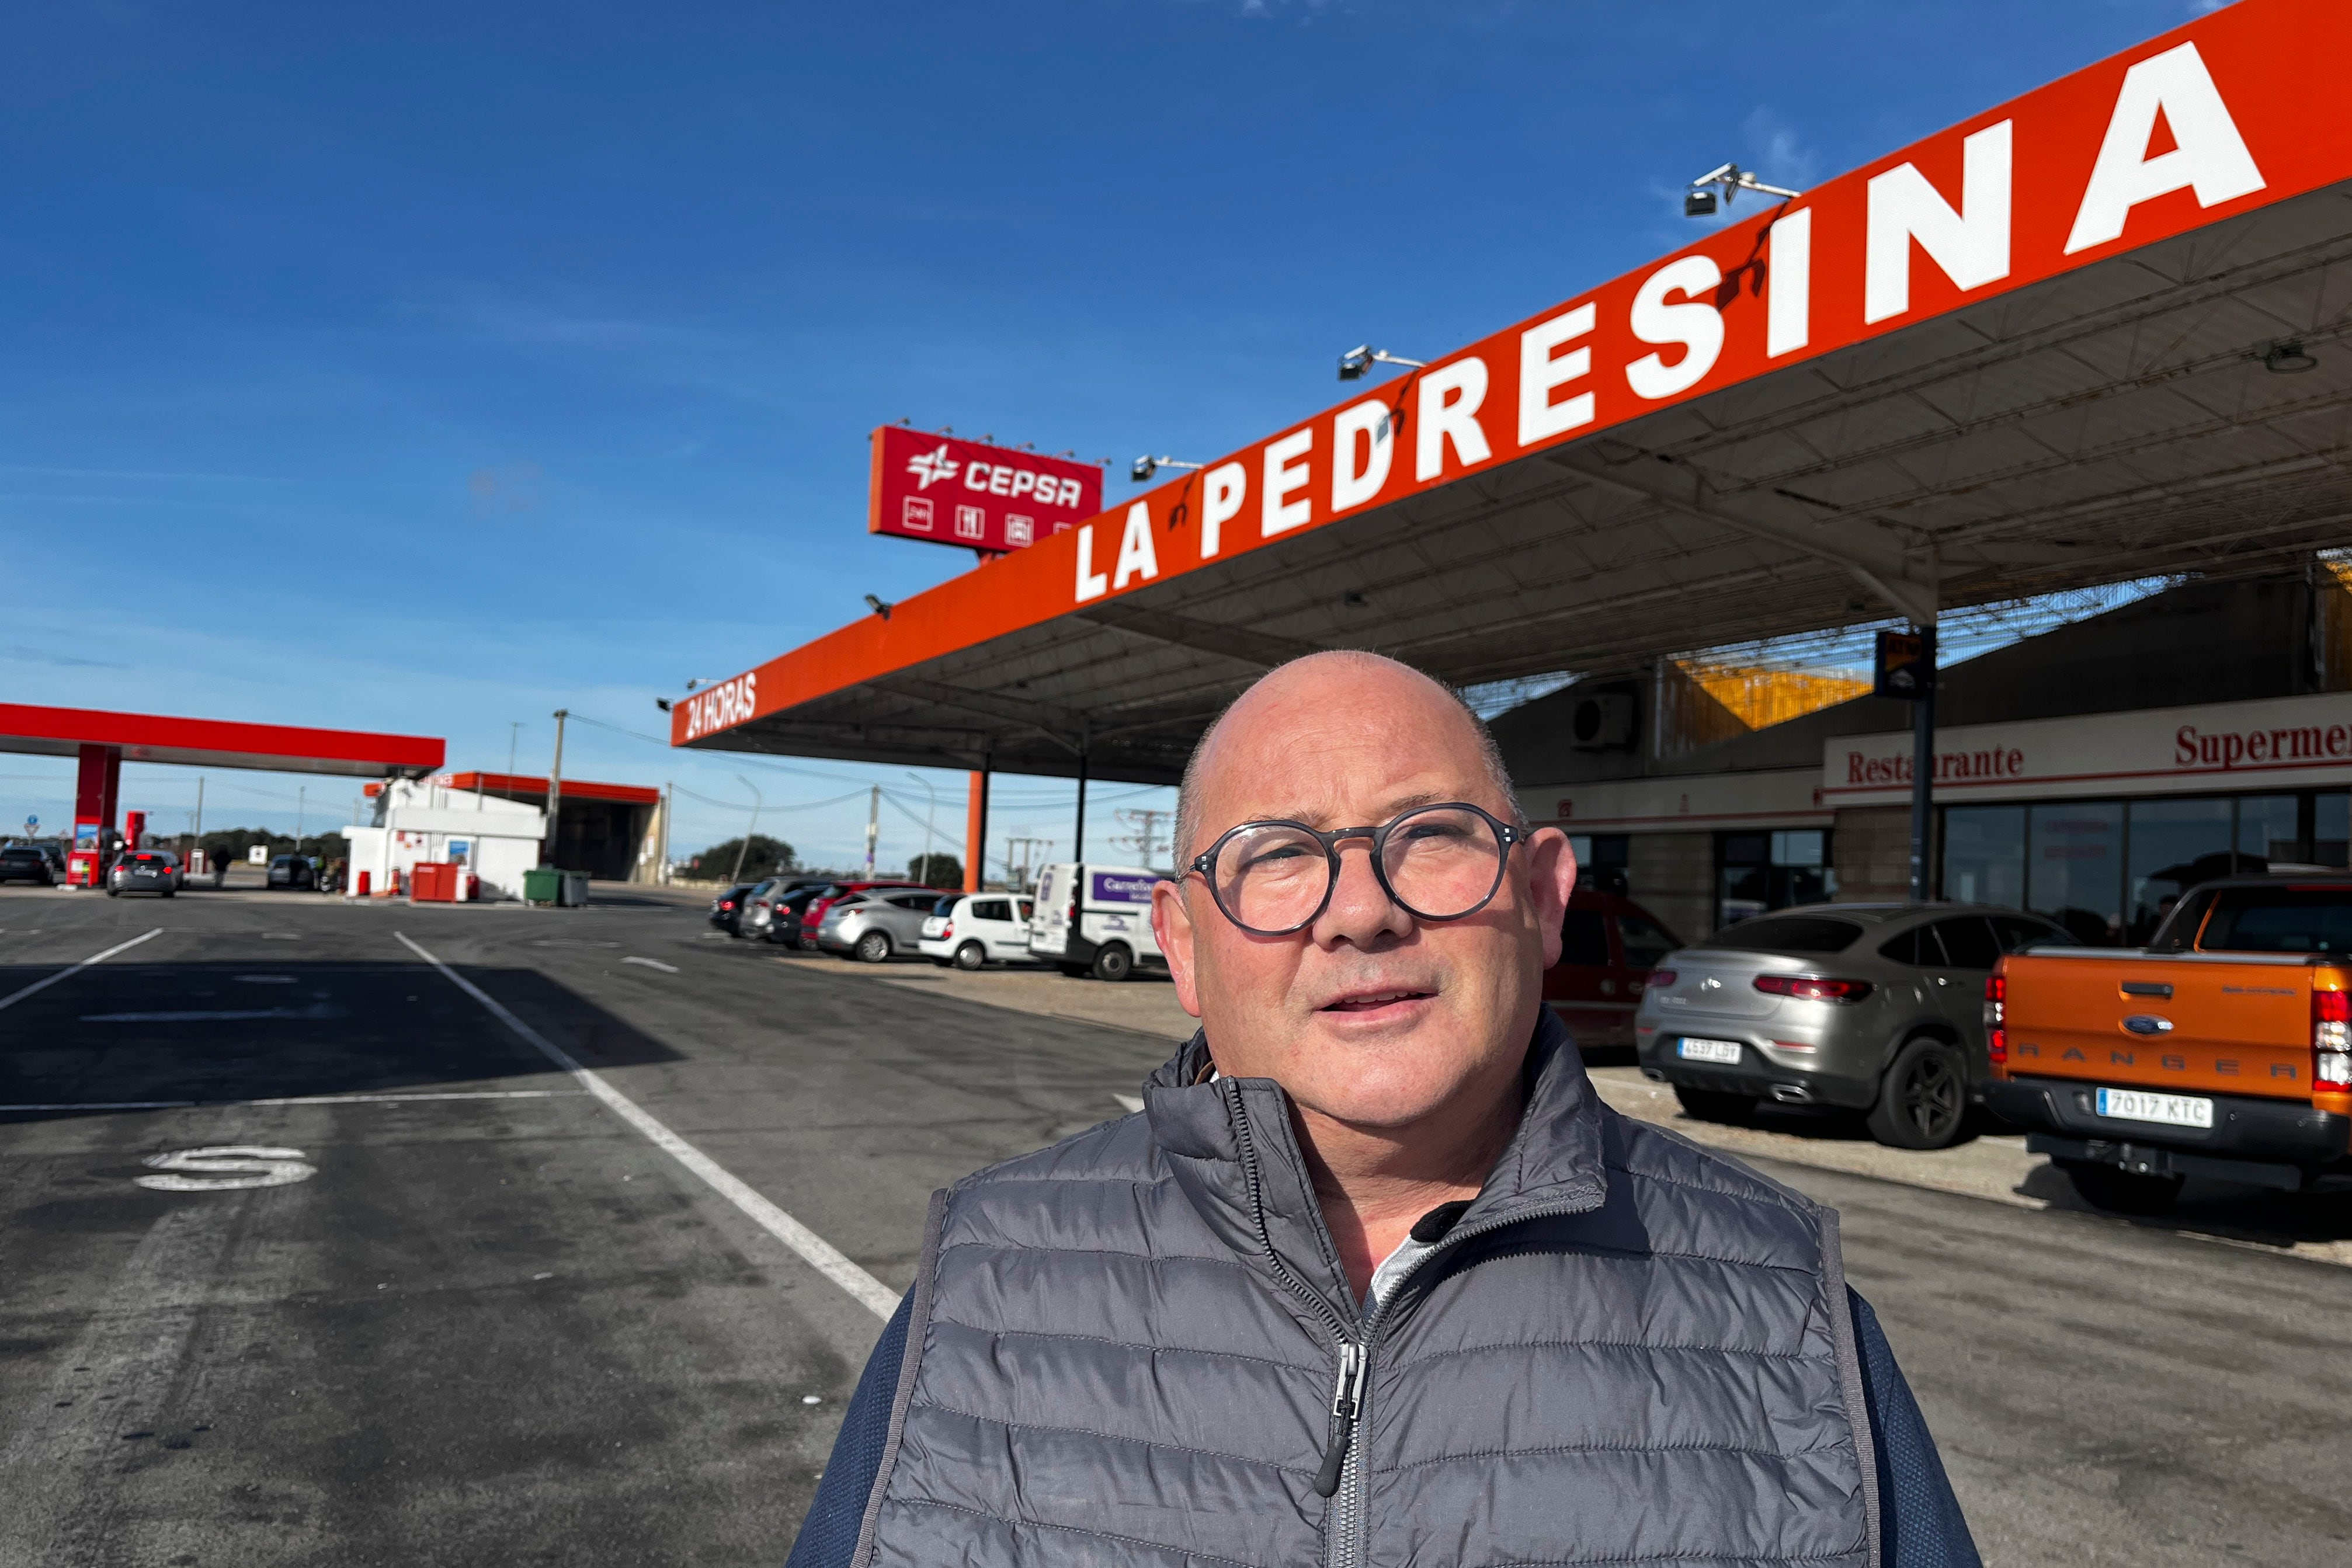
(1084, 919)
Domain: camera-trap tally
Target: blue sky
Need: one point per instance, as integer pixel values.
(430, 368)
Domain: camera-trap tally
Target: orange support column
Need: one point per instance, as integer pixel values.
(975, 830)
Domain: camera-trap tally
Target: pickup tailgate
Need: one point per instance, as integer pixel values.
(2234, 1024)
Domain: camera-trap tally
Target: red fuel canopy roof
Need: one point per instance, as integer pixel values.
(523, 787)
(2093, 334)
(216, 743)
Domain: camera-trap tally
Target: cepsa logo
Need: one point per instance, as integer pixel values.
(724, 705)
(930, 468)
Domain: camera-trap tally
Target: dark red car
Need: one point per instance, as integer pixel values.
(1608, 944)
(813, 913)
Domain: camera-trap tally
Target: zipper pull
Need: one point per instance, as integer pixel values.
(1345, 1397)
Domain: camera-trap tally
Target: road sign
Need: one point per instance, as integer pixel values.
(1900, 670)
(952, 492)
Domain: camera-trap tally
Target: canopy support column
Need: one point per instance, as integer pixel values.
(1079, 844)
(1923, 769)
(975, 830)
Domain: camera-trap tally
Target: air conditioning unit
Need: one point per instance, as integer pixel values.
(1603, 722)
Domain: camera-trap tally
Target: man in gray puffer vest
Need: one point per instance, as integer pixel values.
(1375, 1278)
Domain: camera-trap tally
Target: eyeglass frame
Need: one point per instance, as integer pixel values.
(1509, 834)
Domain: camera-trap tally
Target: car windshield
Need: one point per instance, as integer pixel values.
(1813, 936)
(2279, 920)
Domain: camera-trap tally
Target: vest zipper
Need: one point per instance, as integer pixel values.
(1340, 1467)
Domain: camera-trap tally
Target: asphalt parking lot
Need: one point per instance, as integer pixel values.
(451, 1302)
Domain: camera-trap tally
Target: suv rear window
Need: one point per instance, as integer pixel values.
(2279, 920)
(1814, 936)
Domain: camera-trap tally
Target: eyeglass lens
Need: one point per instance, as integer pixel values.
(1441, 863)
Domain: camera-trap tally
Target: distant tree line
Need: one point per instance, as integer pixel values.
(943, 872)
(763, 857)
(233, 844)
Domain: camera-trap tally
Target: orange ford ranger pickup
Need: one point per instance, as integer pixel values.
(2222, 1048)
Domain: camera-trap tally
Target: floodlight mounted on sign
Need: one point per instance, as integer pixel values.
(1364, 357)
(1699, 202)
(704, 681)
(1143, 469)
(881, 607)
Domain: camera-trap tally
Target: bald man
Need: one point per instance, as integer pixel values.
(1375, 1278)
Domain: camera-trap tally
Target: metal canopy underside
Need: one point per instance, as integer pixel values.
(2113, 422)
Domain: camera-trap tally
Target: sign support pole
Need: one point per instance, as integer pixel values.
(1923, 769)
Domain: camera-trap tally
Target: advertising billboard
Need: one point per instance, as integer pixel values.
(952, 492)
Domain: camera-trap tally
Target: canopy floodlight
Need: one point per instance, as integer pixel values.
(2288, 359)
(880, 606)
(1699, 202)
(1143, 469)
(1364, 357)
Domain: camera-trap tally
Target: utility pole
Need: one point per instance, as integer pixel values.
(300, 791)
(199, 834)
(757, 802)
(514, 733)
(1081, 839)
(555, 790)
(1145, 840)
(873, 826)
(929, 816)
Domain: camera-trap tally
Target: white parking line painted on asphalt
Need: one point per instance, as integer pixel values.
(653, 964)
(306, 1100)
(13, 997)
(820, 1254)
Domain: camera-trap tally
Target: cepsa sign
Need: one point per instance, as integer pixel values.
(953, 492)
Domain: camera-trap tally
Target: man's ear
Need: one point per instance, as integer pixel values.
(1172, 924)
(1551, 881)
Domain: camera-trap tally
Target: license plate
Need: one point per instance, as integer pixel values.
(2172, 1110)
(1722, 1051)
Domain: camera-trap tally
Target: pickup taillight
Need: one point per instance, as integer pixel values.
(1996, 1019)
(2331, 1042)
(1812, 988)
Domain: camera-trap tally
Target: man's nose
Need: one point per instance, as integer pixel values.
(1361, 911)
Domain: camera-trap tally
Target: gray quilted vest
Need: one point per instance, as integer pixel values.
(1138, 1347)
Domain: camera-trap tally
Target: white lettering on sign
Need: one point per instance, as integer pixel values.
(722, 707)
(1004, 479)
(1697, 325)
(1449, 396)
(1789, 285)
(226, 1168)
(1971, 244)
(1223, 490)
(1544, 370)
(1361, 429)
(1136, 557)
(1283, 477)
(2208, 155)
(1092, 584)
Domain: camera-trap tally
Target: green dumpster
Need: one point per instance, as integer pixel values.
(541, 885)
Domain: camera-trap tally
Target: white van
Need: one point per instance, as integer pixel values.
(1097, 920)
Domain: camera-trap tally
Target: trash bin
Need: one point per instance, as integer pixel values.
(574, 894)
(541, 885)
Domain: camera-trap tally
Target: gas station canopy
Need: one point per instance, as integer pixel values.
(2094, 334)
(216, 743)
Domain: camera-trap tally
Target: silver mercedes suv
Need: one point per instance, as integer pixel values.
(1877, 1007)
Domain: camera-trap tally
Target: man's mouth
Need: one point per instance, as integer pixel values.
(1372, 1002)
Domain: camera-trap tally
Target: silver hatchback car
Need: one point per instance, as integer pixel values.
(874, 926)
(1876, 1007)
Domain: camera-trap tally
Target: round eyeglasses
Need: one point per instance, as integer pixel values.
(1437, 862)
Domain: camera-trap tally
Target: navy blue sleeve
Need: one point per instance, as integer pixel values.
(1919, 1518)
(828, 1536)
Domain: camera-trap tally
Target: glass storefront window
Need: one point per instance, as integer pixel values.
(2267, 830)
(2175, 845)
(1761, 872)
(2073, 867)
(2331, 829)
(1984, 855)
